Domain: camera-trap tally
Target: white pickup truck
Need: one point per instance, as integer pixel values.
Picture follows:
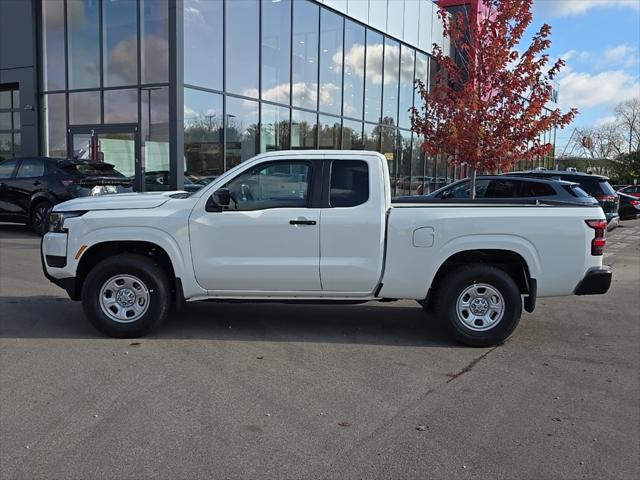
(318, 226)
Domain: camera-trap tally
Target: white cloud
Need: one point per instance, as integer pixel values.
(565, 8)
(575, 54)
(585, 90)
(605, 120)
(625, 55)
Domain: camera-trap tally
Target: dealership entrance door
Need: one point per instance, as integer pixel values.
(118, 145)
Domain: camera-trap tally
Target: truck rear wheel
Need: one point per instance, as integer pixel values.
(126, 296)
(481, 304)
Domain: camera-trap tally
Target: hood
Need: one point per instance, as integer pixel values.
(121, 201)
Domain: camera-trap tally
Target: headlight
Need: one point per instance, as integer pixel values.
(56, 220)
(103, 190)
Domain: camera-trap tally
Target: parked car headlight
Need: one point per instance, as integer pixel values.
(103, 190)
(56, 220)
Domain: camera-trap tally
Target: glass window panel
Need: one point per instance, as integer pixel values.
(241, 129)
(331, 26)
(378, 14)
(271, 186)
(391, 79)
(373, 84)
(352, 135)
(154, 40)
(419, 183)
(404, 163)
(120, 42)
(340, 5)
(154, 107)
(203, 123)
(407, 58)
(359, 9)
(52, 25)
(395, 18)
(121, 106)
(436, 27)
(276, 50)
(388, 138)
(242, 47)
(303, 130)
(6, 168)
(354, 45)
(5, 98)
(349, 183)
(424, 35)
(84, 108)
(54, 125)
(371, 137)
(274, 128)
(329, 132)
(16, 98)
(83, 43)
(5, 120)
(411, 20)
(203, 43)
(305, 54)
(6, 142)
(16, 141)
(31, 167)
(16, 120)
(422, 67)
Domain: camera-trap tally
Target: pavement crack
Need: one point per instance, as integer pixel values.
(469, 366)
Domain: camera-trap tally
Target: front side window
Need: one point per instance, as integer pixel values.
(31, 167)
(7, 168)
(349, 183)
(275, 185)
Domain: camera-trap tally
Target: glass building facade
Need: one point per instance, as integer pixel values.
(178, 91)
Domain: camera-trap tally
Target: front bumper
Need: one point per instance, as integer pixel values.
(68, 284)
(595, 282)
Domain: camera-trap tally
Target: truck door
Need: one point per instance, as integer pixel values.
(352, 226)
(268, 239)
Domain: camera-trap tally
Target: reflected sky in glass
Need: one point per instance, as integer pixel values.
(83, 43)
(242, 47)
(121, 106)
(391, 81)
(274, 128)
(154, 40)
(407, 58)
(54, 117)
(241, 130)
(373, 79)
(331, 26)
(53, 66)
(84, 108)
(305, 54)
(120, 42)
(203, 43)
(354, 47)
(276, 50)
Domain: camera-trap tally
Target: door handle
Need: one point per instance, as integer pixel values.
(302, 222)
(36, 183)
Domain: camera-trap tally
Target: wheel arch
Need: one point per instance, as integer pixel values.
(510, 261)
(101, 250)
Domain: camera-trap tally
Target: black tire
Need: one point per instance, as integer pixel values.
(456, 282)
(151, 276)
(39, 216)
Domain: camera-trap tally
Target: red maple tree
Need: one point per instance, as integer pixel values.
(486, 106)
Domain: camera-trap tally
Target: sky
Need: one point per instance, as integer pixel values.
(600, 41)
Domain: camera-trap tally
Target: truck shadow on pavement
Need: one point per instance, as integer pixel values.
(367, 324)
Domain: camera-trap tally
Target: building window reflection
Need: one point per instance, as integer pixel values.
(373, 77)
(276, 50)
(304, 130)
(83, 43)
(305, 54)
(203, 123)
(120, 42)
(331, 26)
(354, 48)
(352, 135)
(274, 128)
(203, 43)
(154, 40)
(241, 130)
(330, 132)
(391, 81)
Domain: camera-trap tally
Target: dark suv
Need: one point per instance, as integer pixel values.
(595, 185)
(29, 187)
(499, 186)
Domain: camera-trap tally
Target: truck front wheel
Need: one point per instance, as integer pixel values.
(481, 304)
(126, 296)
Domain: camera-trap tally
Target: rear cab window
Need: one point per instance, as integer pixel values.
(349, 183)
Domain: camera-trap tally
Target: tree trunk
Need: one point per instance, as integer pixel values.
(472, 193)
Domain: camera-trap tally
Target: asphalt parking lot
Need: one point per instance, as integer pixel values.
(292, 392)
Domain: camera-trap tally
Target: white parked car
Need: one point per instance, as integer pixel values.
(320, 226)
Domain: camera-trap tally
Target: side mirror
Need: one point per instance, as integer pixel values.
(218, 200)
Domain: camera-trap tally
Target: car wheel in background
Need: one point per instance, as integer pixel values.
(39, 216)
(126, 296)
(481, 304)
